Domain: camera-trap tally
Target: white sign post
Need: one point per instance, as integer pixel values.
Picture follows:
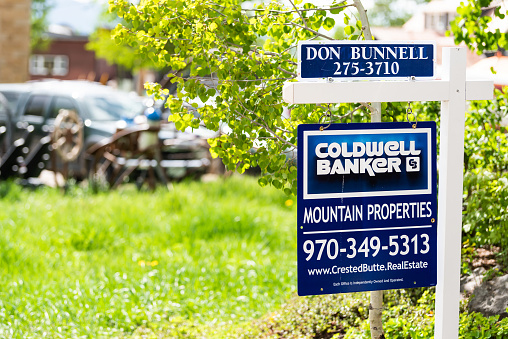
(452, 90)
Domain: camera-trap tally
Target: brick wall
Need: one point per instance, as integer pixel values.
(82, 63)
(14, 40)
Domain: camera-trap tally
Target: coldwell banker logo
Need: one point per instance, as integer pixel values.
(356, 163)
(381, 157)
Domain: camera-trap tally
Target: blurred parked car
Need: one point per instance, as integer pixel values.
(5, 121)
(101, 112)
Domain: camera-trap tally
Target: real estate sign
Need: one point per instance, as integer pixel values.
(352, 60)
(366, 207)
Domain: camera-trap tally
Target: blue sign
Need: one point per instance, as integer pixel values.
(367, 207)
(365, 60)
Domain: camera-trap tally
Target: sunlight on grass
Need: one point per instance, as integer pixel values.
(89, 265)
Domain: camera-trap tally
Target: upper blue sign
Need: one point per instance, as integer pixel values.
(365, 60)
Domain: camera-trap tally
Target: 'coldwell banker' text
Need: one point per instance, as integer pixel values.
(382, 157)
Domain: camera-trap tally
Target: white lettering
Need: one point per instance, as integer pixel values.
(365, 166)
(412, 55)
(318, 150)
(317, 219)
(394, 165)
(351, 166)
(364, 54)
(392, 52)
(337, 168)
(345, 152)
(379, 52)
(355, 53)
(358, 149)
(402, 151)
(373, 150)
(370, 210)
(323, 167)
(412, 148)
(391, 148)
(334, 150)
(379, 164)
(311, 53)
(421, 53)
(307, 217)
(402, 53)
(362, 157)
(327, 53)
(335, 52)
(330, 214)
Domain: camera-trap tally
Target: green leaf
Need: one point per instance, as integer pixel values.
(328, 24)
(346, 19)
(498, 13)
(359, 24)
(336, 11)
(349, 30)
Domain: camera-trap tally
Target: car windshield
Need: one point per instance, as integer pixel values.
(3, 106)
(12, 99)
(114, 107)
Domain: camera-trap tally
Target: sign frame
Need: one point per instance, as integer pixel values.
(452, 90)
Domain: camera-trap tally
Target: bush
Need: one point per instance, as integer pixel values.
(486, 179)
(485, 220)
(475, 325)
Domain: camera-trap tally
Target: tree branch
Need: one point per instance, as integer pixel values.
(273, 54)
(263, 125)
(263, 120)
(301, 9)
(267, 128)
(350, 114)
(376, 297)
(286, 71)
(277, 55)
(299, 13)
(310, 30)
(364, 19)
(219, 81)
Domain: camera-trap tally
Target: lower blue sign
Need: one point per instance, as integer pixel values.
(367, 207)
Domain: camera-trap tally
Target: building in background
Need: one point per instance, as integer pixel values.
(429, 23)
(66, 58)
(14, 40)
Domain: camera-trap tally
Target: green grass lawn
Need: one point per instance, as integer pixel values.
(109, 264)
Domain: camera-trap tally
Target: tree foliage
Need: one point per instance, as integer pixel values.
(124, 55)
(486, 148)
(473, 27)
(391, 13)
(38, 26)
(486, 178)
(238, 59)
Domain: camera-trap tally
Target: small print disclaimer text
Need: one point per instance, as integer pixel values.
(367, 282)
